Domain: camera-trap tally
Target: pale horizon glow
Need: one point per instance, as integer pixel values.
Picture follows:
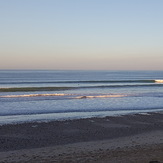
(81, 35)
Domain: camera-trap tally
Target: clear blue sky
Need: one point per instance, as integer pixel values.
(81, 34)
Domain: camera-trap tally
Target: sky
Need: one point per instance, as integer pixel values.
(81, 34)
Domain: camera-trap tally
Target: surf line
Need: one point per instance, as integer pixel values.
(35, 95)
(159, 81)
(100, 96)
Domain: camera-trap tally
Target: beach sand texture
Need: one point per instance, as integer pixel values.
(125, 139)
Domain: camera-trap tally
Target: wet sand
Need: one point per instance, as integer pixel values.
(124, 139)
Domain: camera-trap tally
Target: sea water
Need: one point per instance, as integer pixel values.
(59, 95)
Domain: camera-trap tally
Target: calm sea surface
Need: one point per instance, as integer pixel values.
(54, 95)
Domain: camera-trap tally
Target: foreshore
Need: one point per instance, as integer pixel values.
(132, 138)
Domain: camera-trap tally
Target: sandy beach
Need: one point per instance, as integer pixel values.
(123, 139)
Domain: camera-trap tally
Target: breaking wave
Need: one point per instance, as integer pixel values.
(159, 81)
(34, 95)
(67, 96)
(100, 96)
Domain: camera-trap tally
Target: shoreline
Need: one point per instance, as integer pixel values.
(50, 117)
(93, 139)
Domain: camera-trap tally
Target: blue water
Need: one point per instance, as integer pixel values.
(52, 95)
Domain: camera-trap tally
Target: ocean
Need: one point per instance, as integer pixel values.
(44, 95)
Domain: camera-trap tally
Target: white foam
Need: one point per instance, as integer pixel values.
(100, 96)
(62, 94)
(158, 81)
(34, 95)
(144, 113)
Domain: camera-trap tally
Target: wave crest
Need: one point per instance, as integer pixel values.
(158, 81)
(100, 96)
(69, 96)
(34, 95)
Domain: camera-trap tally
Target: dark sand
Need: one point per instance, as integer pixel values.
(134, 138)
